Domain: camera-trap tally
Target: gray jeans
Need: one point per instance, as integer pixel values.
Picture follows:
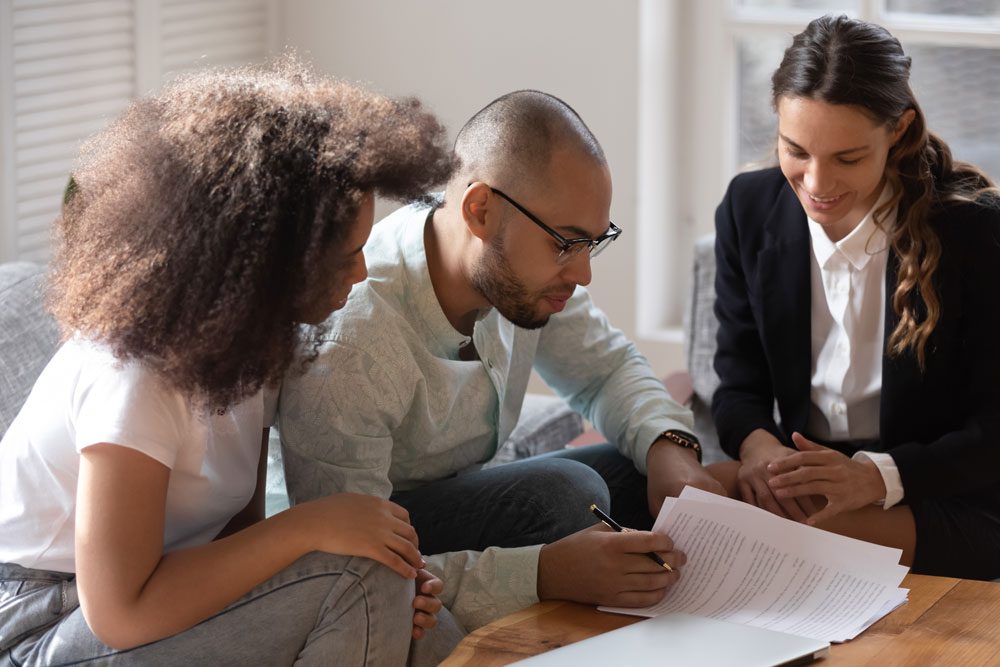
(321, 610)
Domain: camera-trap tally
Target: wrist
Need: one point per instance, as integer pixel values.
(758, 443)
(679, 446)
(877, 490)
(545, 584)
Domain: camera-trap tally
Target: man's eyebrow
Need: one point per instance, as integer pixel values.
(843, 152)
(572, 233)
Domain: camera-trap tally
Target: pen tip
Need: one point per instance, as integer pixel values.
(593, 506)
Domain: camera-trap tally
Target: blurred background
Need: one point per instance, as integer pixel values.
(677, 91)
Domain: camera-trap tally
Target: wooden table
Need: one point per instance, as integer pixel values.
(946, 622)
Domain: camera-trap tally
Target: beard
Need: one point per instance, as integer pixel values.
(493, 277)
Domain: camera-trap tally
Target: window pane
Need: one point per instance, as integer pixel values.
(949, 7)
(957, 87)
(959, 90)
(821, 6)
(758, 57)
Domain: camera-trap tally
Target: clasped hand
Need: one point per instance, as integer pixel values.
(815, 470)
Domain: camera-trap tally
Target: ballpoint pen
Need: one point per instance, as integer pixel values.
(615, 526)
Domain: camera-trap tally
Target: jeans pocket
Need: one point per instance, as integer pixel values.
(27, 606)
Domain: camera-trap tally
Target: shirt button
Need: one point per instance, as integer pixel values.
(839, 408)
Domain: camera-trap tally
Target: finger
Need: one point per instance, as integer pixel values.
(406, 550)
(791, 508)
(800, 476)
(827, 512)
(801, 459)
(425, 621)
(815, 488)
(804, 444)
(395, 562)
(652, 581)
(406, 531)
(767, 501)
(427, 603)
(635, 563)
(399, 511)
(432, 586)
(746, 493)
(637, 598)
(637, 541)
(675, 558)
(418, 632)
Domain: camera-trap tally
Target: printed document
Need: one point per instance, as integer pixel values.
(746, 565)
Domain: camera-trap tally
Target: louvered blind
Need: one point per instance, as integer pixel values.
(72, 70)
(71, 66)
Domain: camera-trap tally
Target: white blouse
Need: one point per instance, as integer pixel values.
(848, 331)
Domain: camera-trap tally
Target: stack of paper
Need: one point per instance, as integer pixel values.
(746, 565)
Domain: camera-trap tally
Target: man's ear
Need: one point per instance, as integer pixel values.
(481, 221)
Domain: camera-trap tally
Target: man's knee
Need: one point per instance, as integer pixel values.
(564, 490)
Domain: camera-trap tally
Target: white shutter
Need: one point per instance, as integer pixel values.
(69, 70)
(68, 67)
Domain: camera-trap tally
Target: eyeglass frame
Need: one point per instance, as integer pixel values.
(566, 251)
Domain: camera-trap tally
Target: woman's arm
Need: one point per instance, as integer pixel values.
(744, 401)
(132, 593)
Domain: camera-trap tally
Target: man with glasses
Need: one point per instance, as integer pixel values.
(426, 369)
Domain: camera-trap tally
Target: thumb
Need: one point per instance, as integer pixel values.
(803, 444)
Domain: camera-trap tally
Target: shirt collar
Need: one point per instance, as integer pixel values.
(858, 247)
(424, 299)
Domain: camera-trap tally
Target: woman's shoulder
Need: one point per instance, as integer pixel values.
(975, 221)
(760, 187)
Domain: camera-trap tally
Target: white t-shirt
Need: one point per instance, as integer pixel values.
(85, 397)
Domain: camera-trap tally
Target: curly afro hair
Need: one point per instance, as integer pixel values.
(204, 218)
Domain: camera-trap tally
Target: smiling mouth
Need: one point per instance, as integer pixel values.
(824, 200)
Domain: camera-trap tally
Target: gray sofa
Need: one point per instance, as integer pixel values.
(29, 337)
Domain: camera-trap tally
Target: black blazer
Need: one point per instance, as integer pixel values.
(942, 426)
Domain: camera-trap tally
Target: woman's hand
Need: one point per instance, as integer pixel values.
(359, 525)
(758, 453)
(426, 604)
(816, 470)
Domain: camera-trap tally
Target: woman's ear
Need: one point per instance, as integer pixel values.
(475, 205)
(902, 125)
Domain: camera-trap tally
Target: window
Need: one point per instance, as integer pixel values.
(67, 68)
(719, 55)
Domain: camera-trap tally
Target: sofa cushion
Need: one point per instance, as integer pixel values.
(28, 335)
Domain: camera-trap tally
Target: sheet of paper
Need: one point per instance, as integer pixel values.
(749, 566)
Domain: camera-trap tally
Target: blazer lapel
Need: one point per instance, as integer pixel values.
(784, 291)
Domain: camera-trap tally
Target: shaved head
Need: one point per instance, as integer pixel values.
(511, 141)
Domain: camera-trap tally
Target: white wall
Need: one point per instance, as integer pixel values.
(458, 55)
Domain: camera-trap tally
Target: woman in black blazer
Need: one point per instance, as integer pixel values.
(858, 290)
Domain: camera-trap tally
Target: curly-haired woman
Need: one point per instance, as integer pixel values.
(208, 224)
(857, 288)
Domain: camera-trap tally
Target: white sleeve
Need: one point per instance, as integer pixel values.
(890, 475)
(125, 404)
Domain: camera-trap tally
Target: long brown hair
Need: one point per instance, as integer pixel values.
(207, 219)
(839, 60)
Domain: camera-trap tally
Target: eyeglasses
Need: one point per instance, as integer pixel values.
(568, 248)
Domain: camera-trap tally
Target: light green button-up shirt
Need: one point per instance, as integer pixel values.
(388, 405)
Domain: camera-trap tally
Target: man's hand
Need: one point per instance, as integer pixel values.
(758, 453)
(600, 566)
(426, 604)
(816, 470)
(670, 468)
